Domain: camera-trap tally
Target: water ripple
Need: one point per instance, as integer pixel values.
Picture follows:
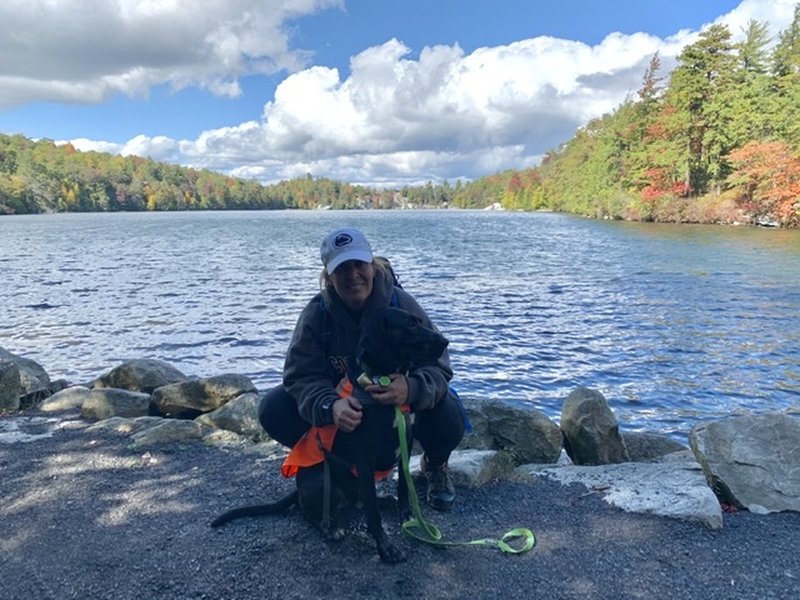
(675, 325)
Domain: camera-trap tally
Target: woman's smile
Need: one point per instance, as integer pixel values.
(352, 281)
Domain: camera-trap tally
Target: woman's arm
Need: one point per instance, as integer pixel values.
(305, 374)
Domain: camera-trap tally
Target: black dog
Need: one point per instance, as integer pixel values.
(390, 343)
(394, 340)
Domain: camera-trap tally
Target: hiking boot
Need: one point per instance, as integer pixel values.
(441, 493)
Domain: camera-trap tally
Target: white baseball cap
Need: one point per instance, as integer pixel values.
(344, 244)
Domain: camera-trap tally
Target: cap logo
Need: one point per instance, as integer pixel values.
(342, 240)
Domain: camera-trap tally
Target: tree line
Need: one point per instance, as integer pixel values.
(42, 176)
(718, 141)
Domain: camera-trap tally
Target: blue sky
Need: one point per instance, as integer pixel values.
(378, 92)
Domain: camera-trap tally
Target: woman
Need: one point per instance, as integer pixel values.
(357, 286)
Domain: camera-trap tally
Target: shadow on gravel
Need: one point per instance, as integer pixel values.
(84, 515)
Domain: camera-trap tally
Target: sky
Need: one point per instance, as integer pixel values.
(376, 92)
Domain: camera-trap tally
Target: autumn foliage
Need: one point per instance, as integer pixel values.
(718, 141)
(767, 181)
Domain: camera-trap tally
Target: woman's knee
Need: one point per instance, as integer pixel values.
(270, 406)
(277, 413)
(443, 425)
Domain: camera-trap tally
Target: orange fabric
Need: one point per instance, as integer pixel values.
(307, 451)
(345, 387)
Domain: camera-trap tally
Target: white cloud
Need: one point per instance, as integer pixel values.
(777, 13)
(86, 145)
(159, 148)
(444, 115)
(395, 118)
(84, 51)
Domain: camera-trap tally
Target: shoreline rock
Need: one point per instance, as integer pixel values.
(637, 471)
(751, 461)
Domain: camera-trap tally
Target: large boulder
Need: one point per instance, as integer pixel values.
(240, 416)
(140, 375)
(107, 403)
(470, 468)
(65, 400)
(591, 432)
(224, 438)
(10, 386)
(644, 446)
(526, 435)
(192, 398)
(751, 461)
(167, 432)
(479, 438)
(474, 468)
(31, 374)
(31, 399)
(124, 425)
(677, 490)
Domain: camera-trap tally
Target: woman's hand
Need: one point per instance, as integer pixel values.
(346, 414)
(394, 393)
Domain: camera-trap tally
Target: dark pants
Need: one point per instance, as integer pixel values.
(439, 429)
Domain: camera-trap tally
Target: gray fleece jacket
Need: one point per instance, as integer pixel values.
(314, 366)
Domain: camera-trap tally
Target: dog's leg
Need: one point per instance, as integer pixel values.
(403, 505)
(388, 552)
(403, 499)
(311, 499)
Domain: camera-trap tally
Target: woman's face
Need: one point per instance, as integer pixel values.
(352, 281)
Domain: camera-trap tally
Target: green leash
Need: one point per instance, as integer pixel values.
(422, 530)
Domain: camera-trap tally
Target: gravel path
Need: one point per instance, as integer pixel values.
(82, 515)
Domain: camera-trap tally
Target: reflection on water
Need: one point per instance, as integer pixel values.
(674, 324)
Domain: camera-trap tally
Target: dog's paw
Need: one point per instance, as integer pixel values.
(405, 515)
(391, 554)
(335, 534)
(387, 501)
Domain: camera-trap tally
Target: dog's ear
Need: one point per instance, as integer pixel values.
(398, 319)
(410, 339)
(374, 351)
(425, 346)
(395, 339)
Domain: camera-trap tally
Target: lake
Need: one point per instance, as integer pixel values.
(674, 324)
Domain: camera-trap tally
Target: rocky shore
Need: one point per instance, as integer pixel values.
(744, 462)
(109, 486)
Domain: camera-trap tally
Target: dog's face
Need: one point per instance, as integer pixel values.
(395, 339)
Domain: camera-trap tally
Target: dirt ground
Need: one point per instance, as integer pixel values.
(83, 515)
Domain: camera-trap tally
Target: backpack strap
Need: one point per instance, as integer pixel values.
(326, 332)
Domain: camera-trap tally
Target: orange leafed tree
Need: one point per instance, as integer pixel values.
(767, 178)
